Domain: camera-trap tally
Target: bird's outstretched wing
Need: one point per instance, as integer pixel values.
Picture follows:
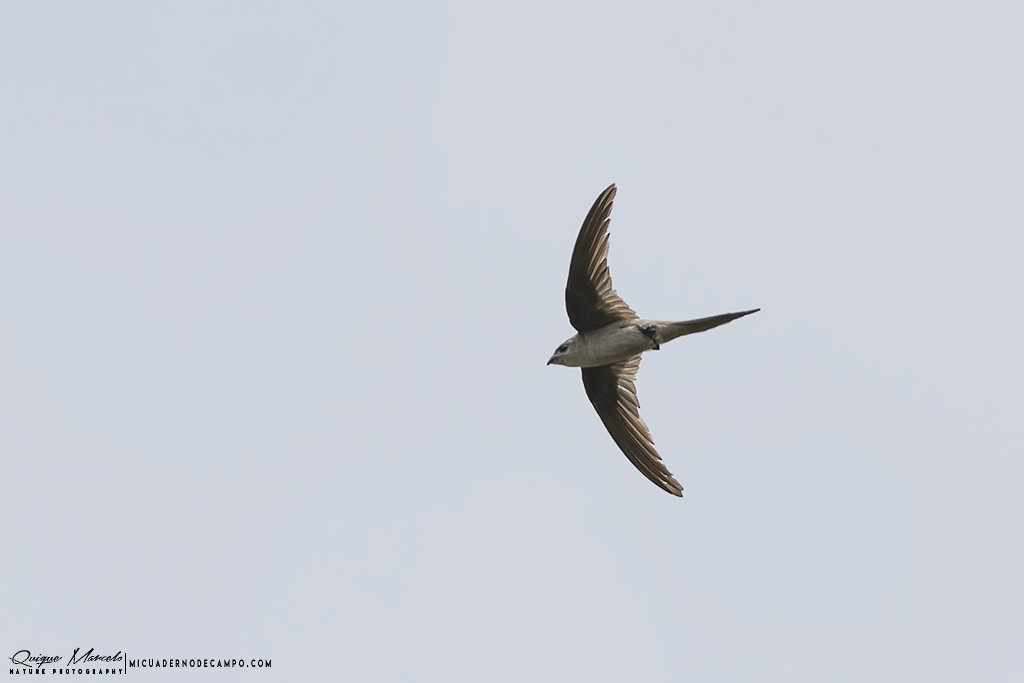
(612, 390)
(590, 300)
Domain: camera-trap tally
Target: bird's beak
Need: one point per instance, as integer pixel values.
(551, 360)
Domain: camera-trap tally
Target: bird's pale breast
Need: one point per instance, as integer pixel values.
(613, 343)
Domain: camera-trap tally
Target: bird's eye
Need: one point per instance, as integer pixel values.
(563, 348)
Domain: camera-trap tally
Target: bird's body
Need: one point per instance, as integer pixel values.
(621, 340)
(611, 338)
(606, 345)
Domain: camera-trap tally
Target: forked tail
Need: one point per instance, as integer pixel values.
(670, 331)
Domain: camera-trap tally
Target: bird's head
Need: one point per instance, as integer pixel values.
(564, 353)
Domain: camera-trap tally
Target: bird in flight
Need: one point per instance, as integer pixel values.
(610, 340)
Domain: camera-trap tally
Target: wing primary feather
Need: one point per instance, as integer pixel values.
(590, 300)
(612, 391)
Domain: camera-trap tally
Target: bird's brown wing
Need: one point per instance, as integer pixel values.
(590, 300)
(612, 390)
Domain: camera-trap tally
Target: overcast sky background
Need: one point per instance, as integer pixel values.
(278, 282)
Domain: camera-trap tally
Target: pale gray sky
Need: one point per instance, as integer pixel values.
(278, 282)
